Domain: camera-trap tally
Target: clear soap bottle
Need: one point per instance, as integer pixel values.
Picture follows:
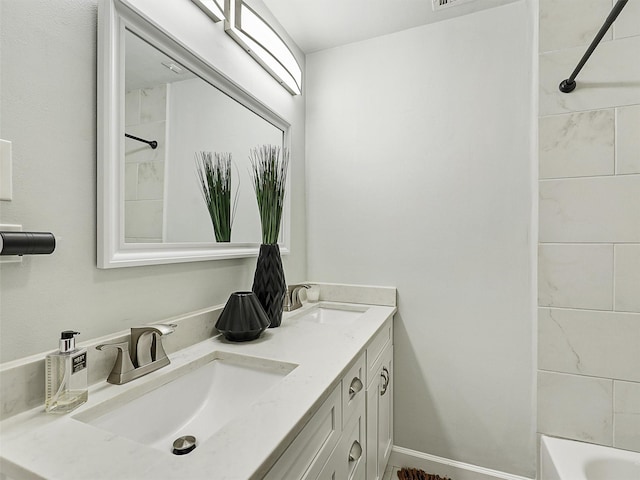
(66, 376)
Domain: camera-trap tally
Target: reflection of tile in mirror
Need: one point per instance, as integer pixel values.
(153, 104)
(131, 181)
(150, 181)
(132, 108)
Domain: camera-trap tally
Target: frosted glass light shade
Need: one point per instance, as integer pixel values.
(213, 8)
(257, 37)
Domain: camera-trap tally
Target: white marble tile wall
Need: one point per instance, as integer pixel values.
(628, 139)
(589, 342)
(145, 117)
(627, 279)
(627, 24)
(575, 406)
(626, 415)
(575, 276)
(589, 226)
(577, 144)
(590, 209)
(571, 23)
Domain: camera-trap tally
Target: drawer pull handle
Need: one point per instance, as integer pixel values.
(355, 452)
(385, 385)
(355, 387)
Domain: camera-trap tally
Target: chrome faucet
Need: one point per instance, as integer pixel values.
(292, 298)
(145, 355)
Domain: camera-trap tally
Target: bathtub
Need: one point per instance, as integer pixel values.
(562, 459)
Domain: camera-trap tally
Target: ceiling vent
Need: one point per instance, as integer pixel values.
(440, 4)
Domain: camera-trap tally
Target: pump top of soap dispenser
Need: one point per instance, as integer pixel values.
(68, 341)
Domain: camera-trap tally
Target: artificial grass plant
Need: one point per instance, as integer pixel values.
(269, 167)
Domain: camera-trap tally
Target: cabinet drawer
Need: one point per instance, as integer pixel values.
(353, 389)
(375, 348)
(310, 450)
(348, 460)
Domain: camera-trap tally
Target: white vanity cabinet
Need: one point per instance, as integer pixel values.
(348, 458)
(347, 462)
(379, 403)
(310, 450)
(351, 434)
(331, 445)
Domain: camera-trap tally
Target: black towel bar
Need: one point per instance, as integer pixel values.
(569, 84)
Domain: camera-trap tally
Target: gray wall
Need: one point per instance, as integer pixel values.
(48, 111)
(589, 251)
(421, 175)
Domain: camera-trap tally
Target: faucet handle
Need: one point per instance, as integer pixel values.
(166, 328)
(158, 348)
(159, 328)
(292, 298)
(295, 291)
(146, 343)
(123, 363)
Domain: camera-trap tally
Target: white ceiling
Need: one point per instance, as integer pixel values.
(320, 24)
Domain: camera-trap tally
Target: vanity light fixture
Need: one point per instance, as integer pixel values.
(213, 8)
(260, 41)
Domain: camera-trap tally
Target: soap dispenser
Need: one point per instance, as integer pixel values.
(66, 376)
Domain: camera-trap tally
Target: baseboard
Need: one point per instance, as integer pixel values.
(403, 457)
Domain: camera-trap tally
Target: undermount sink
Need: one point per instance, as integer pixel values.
(332, 315)
(198, 402)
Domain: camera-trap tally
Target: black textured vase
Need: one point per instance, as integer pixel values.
(269, 284)
(243, 318)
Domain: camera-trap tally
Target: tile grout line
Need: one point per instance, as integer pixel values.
(615, 140)
(612, 175)
(573, 374)
(613, 280)
(588, 110)
(613, 413)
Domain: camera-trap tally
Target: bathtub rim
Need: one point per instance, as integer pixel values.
(554, 468)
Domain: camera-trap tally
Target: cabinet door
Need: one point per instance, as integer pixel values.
(309, 451)
(347, 462)
(380, 417)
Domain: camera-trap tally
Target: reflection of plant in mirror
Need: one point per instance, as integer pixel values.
(214, 172)
(269, 170)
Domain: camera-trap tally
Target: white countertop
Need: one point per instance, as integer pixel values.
(39, 445)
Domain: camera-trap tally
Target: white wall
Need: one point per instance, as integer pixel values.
(589, 251)
(48, 105)
(419, 176)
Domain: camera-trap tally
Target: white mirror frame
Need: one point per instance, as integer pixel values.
(114, 16)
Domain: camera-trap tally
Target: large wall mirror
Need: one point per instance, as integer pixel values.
(159, 105)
